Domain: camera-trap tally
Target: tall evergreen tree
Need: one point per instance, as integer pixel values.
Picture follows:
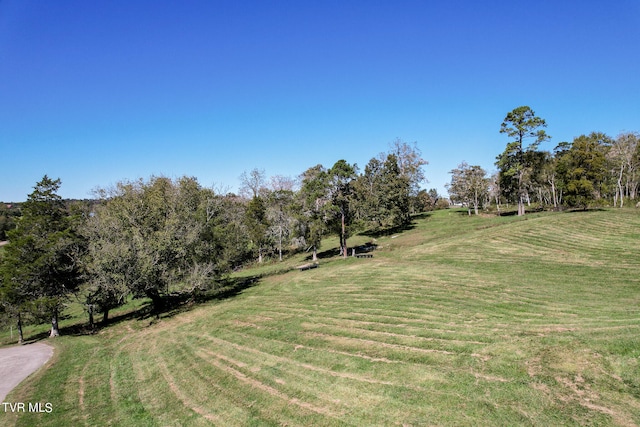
(41, 264)
(583, 169)
(395, 193)
(513, 164)
(368, 194)
(341, 177)
(314, 201)
(257, 225)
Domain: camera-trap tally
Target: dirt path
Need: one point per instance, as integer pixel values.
(17, 363)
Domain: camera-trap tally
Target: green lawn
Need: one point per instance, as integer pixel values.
(458, 321)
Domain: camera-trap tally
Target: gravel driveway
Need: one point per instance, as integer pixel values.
(17, 363)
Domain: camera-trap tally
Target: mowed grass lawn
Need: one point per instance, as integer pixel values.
(458, 321)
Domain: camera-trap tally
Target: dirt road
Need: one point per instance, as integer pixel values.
(17, 363)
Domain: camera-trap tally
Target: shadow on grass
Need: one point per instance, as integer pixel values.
(583, 210)
(174, 304)
(229, 288)
(329, 253)
(376, 233)
(551, 209)
(335, 252)
(171, 305)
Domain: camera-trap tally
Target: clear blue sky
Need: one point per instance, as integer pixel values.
(97, 92)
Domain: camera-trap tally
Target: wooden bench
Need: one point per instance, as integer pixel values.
(364, 255)
(307, 266)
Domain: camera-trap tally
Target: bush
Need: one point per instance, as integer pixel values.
(442, 204)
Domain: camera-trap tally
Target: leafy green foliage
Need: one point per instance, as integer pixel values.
(151, 238)
(340, 180)
(313, 201)
(226, 229)
(8, 216)
(41, 264)
(382, 194)
(257, 225)
(583, 169)
(394, 193)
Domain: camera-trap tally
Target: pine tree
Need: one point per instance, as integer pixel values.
(41, 266)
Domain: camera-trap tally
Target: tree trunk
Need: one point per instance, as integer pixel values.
(475, 203)
(344, 239)
(91, 322)
(156, 302)
(540, 199)
(520, 191)
(55, 331)
(105, 316)
(315, 253)
(20, 335)
(620, 188)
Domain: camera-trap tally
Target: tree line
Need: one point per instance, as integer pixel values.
(165, 238)
(593, 169)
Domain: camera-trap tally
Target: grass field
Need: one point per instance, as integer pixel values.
(458, 321)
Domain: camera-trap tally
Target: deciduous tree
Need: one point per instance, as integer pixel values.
(155, 234)
(280, 217)
(252, 183)
(410, 163)
(624, 156)
(469, 186)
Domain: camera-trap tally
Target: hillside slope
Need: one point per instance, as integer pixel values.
(459, 321)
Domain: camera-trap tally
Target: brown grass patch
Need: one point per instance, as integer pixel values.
(214, 360)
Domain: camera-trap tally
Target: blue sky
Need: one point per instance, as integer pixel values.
(97, 92)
